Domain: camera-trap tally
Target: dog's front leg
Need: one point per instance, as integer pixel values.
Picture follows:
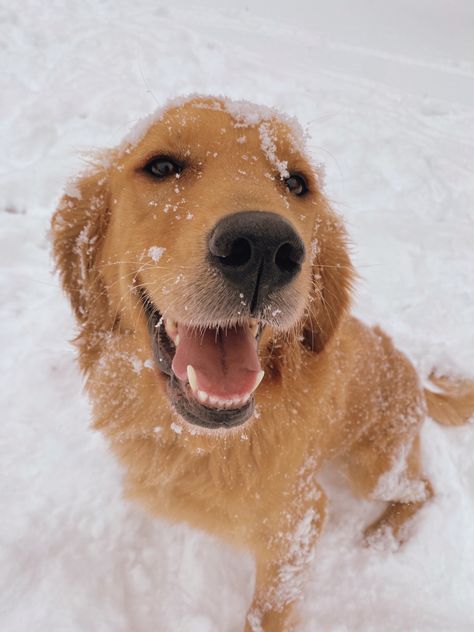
(283, 549)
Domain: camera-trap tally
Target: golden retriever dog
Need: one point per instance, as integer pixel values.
(211, 283)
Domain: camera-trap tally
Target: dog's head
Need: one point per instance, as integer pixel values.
(208, 237)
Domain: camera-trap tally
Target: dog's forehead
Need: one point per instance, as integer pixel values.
(203, 125)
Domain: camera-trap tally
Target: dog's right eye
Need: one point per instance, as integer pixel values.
(162, 167)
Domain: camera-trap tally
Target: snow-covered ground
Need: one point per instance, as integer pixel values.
(387, 93)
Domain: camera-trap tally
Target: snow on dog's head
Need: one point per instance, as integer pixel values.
(197, 234)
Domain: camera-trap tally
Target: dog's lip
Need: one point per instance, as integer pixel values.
(210, 412)
(197, 414)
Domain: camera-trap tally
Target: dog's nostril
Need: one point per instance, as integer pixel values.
(240, 254)
(288, 259)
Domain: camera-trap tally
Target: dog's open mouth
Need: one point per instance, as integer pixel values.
(213, 372)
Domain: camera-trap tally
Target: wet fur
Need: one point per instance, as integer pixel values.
(333, 387)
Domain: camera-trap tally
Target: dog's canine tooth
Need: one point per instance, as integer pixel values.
(203, 396)
(176, 340)
(192, 378)
(171, 326)
(254, 327)
(258, 379)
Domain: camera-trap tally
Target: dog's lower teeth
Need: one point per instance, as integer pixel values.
(203, 396)
(219, 402)
(213, 400)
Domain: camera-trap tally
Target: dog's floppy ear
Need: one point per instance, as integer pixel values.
(78, 229)
(332, 280)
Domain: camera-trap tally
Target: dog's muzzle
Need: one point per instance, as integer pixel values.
(214, 369)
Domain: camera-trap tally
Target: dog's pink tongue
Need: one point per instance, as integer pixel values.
(225, 361)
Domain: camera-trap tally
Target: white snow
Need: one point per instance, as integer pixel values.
(386, 92)
(394, 485)
(156, 252)
(176, 428)
(267, 142)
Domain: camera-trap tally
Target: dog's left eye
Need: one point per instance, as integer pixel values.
(296, 184)
(162, 167)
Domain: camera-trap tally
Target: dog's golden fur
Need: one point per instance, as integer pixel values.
(333, 387)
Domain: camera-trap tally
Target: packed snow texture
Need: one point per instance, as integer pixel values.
(386, 92)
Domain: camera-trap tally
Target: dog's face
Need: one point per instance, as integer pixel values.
(209, 231)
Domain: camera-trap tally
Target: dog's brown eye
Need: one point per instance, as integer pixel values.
(296, 184)
(162, 167)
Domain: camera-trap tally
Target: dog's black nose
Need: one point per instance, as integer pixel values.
(257, 252)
